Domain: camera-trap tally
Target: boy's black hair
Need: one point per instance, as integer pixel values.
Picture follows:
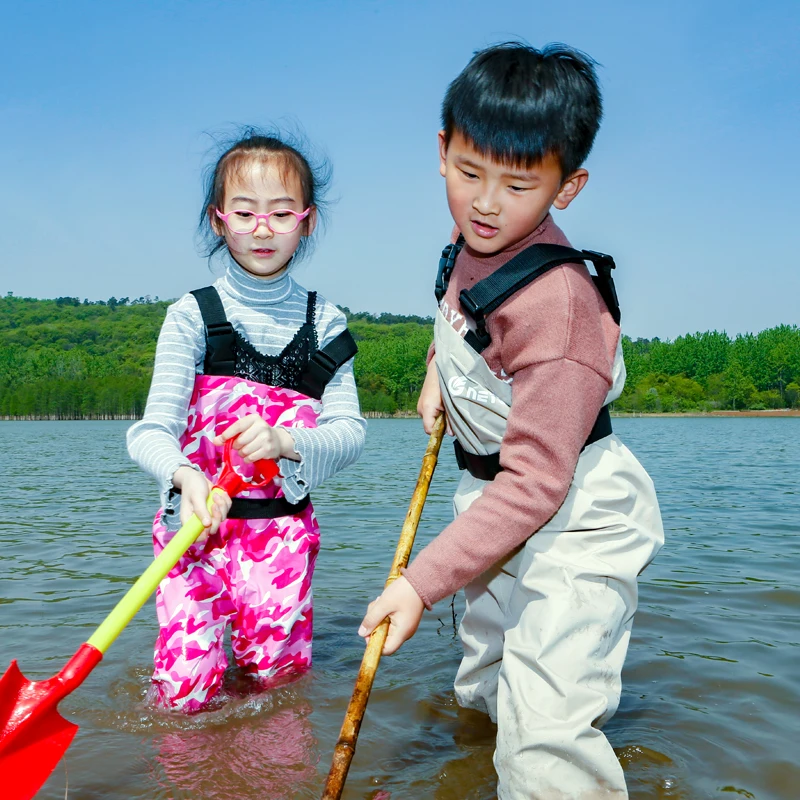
(518, 104)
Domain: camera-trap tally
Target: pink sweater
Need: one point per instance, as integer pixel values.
(556, 340)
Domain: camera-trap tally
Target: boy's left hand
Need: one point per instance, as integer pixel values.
(401, 603)
(256, 440)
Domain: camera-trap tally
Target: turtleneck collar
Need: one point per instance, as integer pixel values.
(491, 262)
(256, 291)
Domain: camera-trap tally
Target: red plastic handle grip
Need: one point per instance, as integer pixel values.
(231, 482)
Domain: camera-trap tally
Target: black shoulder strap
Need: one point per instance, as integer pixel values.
(324, 363)
(490, 293)
(446, 264)
(220, 335)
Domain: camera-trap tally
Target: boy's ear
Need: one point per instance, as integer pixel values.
(571, 188)
(442, 154)
(310, 221)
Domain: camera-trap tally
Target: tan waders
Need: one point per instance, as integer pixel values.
(545, 632)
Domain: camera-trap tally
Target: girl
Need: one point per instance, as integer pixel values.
(257, 359)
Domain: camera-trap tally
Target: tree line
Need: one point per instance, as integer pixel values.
(72, 359)
(713, 371)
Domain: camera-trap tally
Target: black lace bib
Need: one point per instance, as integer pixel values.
(301, 365)
(286, 369)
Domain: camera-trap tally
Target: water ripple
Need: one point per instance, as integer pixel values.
(711, 698)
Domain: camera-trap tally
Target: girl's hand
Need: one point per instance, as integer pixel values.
(430, 405)
(256, 440)
(194, 488)
(401, 603)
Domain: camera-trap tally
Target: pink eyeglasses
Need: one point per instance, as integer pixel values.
(281, 220)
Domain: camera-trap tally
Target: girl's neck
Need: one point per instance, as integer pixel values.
(252, 290)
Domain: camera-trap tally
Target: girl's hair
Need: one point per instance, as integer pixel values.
(250, 145)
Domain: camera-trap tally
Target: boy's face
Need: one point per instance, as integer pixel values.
(496, 205)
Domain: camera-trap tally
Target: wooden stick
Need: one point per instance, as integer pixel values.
(346, 746)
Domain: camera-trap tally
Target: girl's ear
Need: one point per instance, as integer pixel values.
(310, 221)
(217, 225)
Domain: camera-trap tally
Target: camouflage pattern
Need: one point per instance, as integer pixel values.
(254, 575)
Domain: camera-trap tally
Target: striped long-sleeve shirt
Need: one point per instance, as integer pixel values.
(267, 313)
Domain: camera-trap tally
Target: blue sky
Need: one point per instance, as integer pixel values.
(105, 111)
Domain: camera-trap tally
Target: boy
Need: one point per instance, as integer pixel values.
(525, 364)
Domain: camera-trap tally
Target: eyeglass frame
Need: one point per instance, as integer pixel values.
(299, 216)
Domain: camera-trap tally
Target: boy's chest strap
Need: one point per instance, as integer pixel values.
(487, 468)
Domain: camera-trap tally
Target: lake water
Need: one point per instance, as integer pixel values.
(711, 700)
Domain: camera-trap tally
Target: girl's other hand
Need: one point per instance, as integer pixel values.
(430, 404)
(256, 440)
(195, 488)
(401, 603)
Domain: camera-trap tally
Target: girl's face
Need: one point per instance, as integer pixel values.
(262, 188)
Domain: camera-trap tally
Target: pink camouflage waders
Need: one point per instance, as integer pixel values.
(255, 573)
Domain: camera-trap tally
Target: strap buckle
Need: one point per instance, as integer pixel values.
(471, 307)
(446, 264)
(604, 281)
(219, 328)
(480, 334)
(322, 359)
(601, 261)
(220, 357)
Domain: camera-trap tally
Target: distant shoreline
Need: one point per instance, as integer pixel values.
(778, 412)
(61, 418)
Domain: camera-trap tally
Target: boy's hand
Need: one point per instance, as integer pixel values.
(430, 405)
(194, 488)
(401, 603)
(256, 440)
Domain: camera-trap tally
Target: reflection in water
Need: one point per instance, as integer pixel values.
(271, 756)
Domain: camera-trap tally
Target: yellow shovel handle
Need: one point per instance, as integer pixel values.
(137, 595)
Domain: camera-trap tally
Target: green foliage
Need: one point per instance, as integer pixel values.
(758, 371)
(391, 363)
(660, 392)
(384, 318)
(68, 358)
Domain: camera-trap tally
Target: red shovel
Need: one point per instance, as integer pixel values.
(33, 735)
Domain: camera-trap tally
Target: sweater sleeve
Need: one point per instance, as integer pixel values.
(554, 406)
(153, 442)
(338, 439)
(552, 343)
